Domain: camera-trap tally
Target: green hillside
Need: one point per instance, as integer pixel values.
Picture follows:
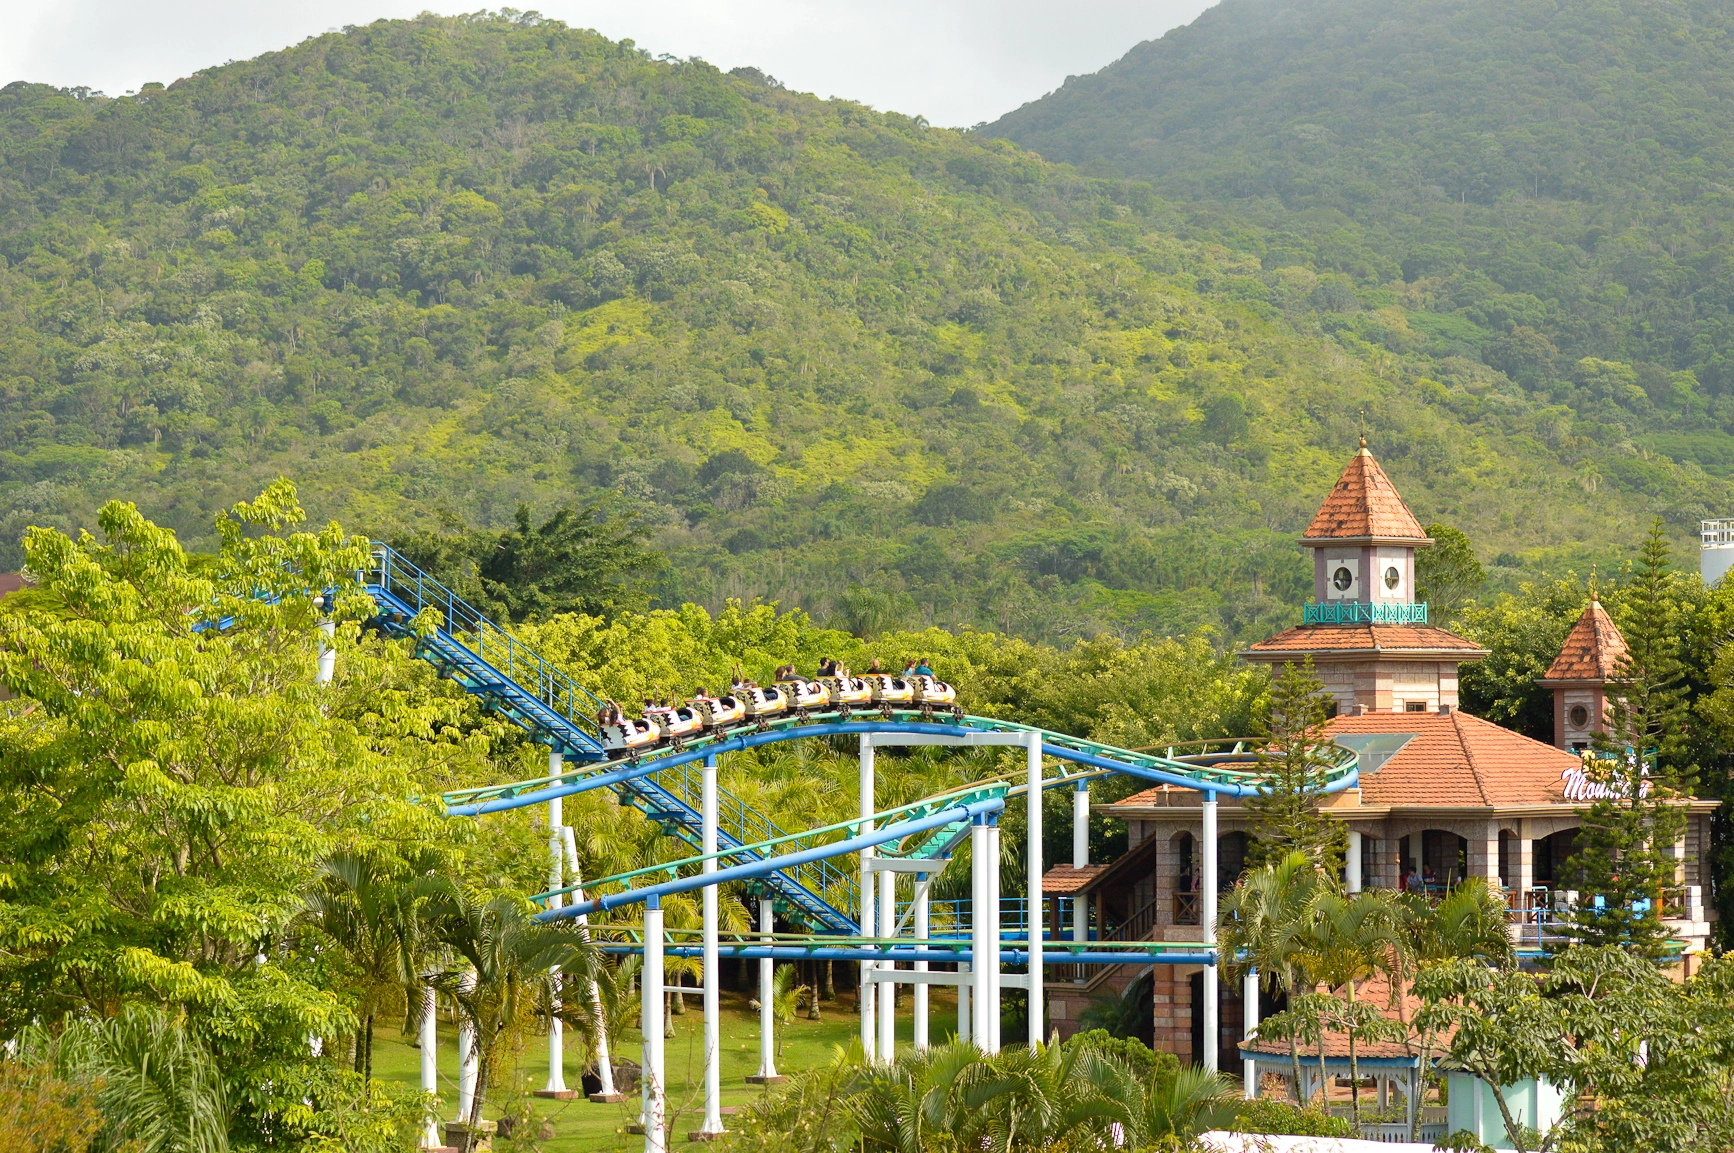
(1543, 186)
(898, 375)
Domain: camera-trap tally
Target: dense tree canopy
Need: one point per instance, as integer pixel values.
(445, 268)
(1533, 186)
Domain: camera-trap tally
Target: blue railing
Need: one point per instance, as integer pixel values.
(1365, 613)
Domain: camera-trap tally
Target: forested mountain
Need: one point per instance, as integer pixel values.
(438, 269)
(1543, 186)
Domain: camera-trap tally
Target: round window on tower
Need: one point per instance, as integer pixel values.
(1392, 576)
(1579, 717)
(1343, 578)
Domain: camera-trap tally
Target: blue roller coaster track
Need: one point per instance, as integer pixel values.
(556, 711)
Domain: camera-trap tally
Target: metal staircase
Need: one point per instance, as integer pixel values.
(555, 710)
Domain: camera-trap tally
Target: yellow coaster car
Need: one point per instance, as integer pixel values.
(764, 702)
(933, 691)
(715, 712)
(890, 690)
(848, 690)
(628, 735)
(805, 694)
(682, 721)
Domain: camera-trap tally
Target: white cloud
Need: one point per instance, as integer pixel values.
(956, 62)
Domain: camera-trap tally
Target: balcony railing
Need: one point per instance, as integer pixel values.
(1365, 613)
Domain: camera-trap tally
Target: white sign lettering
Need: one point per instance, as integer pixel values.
(1589, 780)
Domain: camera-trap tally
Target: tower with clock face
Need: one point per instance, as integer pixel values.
(1368, 634)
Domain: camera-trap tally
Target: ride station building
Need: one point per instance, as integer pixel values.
(1442, 795)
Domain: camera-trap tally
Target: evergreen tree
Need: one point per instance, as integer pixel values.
(1293, 759)
(1625, 854)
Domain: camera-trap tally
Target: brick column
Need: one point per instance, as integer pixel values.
(1484, 854)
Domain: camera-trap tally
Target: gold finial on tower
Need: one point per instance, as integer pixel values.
(1593, 595)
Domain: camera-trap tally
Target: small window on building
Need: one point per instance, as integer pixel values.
(1330, 709)
(1343, 578)
(1414, 706)
(1392, 576)
(1579, 717)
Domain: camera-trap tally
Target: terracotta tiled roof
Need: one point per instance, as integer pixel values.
(10, 582)
(1065, 880)
(1457, 760)
(1451, 760)
(1364, 504)
(1366, 638)
(1374, 991)
(1593, 651)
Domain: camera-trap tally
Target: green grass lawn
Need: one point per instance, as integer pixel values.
(580, 1125)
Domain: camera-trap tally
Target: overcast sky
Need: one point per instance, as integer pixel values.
(957, 62)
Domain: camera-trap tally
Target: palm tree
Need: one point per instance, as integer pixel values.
(374, 917)
(1260, 927)
(1042, 1097)
(158, 1086)
(1176, 1111)
(956, 1096)
(511, 957)
(1346, 939)
(1468, 923)
(908, 1106)
(612, 1010)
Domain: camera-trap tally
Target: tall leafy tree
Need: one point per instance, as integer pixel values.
(589, 559)
(1626, 844)
(1293, 757)
(171, 770)
(1447, 575)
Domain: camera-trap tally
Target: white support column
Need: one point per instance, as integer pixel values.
(556, 859)
(918, 992)
(1080, 858)
(965, 1011)
(887, 992)
(712, 1003)
(651, 981)
(327, 646)
(430, 1062)
(767, 1074)
(1033, 887)
(869, 1022)
(1081, 825)
(995, 935)
(982, 926)
(1352, 862)
(1207, 918)
(606, 1093)
(466, 1055)
(1249, 995)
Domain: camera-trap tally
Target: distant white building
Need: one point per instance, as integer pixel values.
(1716, 550)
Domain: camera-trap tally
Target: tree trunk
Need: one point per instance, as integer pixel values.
(367, 1063)
(1354, 1069)
(667, 1015)
(482, 1064)
(830, 982)
(1294, 1050)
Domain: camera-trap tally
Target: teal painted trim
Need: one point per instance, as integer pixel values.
(1365, 613)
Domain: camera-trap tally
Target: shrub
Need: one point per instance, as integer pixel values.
(1267, 1116)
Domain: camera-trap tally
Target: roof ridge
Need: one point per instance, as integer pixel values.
(1469, 756)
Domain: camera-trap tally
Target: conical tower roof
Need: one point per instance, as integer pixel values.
(1364, 505)
(1593, 650)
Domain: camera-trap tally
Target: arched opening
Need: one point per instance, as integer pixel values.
(1434, 860)
(1549, 857)
(1231, 849)
(1185, 878)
